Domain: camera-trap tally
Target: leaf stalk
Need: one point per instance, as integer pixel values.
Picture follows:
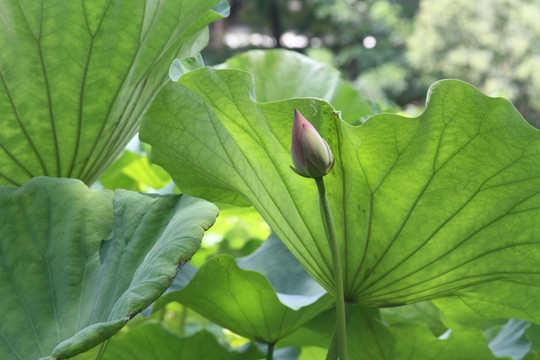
(270, 351)
(328, 222)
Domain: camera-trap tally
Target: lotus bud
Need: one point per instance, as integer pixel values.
(311, 154)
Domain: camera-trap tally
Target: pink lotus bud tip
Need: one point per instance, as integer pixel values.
(310, 153)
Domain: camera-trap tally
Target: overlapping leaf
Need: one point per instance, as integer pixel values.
(77, 264)
(76, 76)
(260, 307)
(371, 339)
(281, 74)
(134, 172)
(445, 205)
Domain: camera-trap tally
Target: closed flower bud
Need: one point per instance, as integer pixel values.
(311, 154)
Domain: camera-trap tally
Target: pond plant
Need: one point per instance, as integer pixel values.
(422, 242)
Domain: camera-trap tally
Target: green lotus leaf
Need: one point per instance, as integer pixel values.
(134, 172)
(292, 284)
(367, 337)
(442, 206)
(281, 74)
(371, 339)
(76, 76)
(415, 341)
(425, 312)
(77, 264)
(155, 342)
(260, 307)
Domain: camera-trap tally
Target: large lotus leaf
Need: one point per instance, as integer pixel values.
(428, 207)
(245, 302)
(77, 263)
(153, 341)
(281, 74)
(290, 282)
(76, 76)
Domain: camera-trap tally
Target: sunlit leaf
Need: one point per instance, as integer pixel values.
(76, 76)
(260, 307)
(238, 231)
(442, 206)
(134, 172)
(78, 264)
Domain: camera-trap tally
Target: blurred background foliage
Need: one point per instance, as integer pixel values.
(394, 50)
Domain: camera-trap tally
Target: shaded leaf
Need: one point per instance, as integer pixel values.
(370, 339)
(533, 332)
(153, 341)
(415, 341)
(424, 312)
(367, 337)
(444, 205)
(78, 264)
(76, 76)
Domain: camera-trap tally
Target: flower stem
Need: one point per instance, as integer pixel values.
(269, 351)
(333, 351)
(328, 222)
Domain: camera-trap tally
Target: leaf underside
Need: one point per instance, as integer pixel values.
(442, 206)
(76, 76)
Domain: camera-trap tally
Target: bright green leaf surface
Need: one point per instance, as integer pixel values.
(238, 231)
(313, 353)
(153, 341)
(243, 301)
(76, 76)
(442, 205)
(77, 264)
(134, 172)
(281, 74)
